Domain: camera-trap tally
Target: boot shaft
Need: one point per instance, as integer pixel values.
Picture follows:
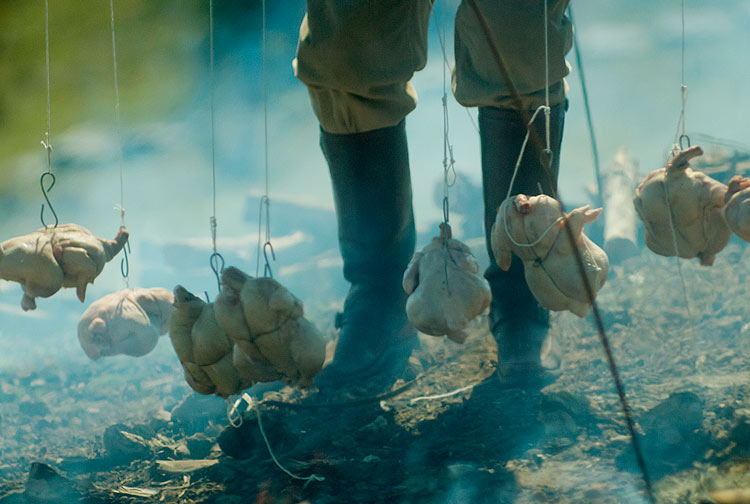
(373, 198)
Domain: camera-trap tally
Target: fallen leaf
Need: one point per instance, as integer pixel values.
(182, 466)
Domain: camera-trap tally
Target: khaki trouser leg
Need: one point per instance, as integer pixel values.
(357, 59)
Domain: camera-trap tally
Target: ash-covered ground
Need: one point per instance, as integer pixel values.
(124, 431)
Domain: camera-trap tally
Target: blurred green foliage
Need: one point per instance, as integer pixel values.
(162, 55)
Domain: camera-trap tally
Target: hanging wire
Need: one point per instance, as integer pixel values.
(587, 108)
(449, 163)
(682, 141)
(216, 260)
(124, 262)
(536, 142)
(46, 143)
(265, 202)
(445, 61)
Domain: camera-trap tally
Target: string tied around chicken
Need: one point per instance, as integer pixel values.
(236, 419)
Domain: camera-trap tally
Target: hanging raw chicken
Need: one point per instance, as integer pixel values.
(126, 322)
(445, 288)
(204, 349)
(533, 229)
(691, 217)
(274, 341)
(50, 258)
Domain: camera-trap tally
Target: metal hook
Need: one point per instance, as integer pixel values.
(46, 198)
(217, 265)
(267, 269)
(124, 263)
(685, 137)
(446, 210)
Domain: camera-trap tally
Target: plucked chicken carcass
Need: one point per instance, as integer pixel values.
(693, 217)
(51, 258)
(533, 228)
(266, 323)
(126, 322)
(204, 349)
(445, 288)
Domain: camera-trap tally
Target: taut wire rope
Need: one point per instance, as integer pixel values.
(46, 143)
(216, 260)
(265, 202)
(516, 97)
(445, 61)
(124, 263)
(449, 163)
(680, 133)
(676, 147)
(587, 109)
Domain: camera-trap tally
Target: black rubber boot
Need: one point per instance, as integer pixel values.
(373, 198)
(520, 326)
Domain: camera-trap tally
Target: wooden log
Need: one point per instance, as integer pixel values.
(620, 223)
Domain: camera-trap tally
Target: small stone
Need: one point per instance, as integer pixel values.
(124, 445)
(45, 485)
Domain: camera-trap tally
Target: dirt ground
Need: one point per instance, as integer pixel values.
(136, 434)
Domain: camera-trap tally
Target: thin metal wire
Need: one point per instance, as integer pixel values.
(46, 143)
(125, 261)
(215, 260)
(117, 114)
(265, 201)
(547, 118)
(587, 108)
(680, 136)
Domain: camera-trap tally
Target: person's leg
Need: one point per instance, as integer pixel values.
(373, 198)
(357, 59)
(518, 323)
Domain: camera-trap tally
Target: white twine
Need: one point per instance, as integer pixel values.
(235, 419)
(535, 242)
(443, 396)
(523, 149)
